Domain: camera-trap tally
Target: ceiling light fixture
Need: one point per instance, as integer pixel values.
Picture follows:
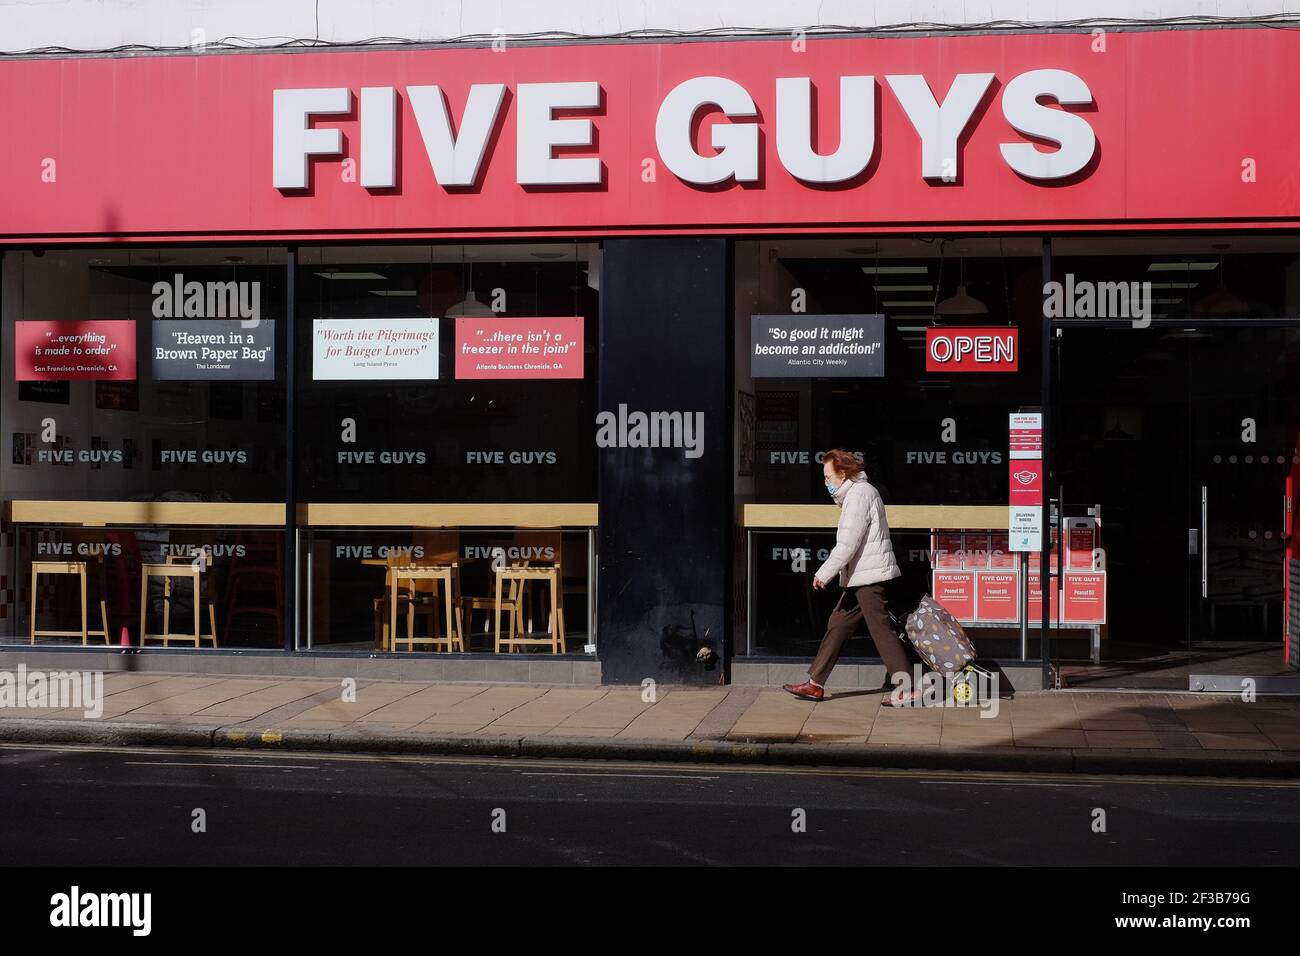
(1182, 266)
(470, 306)
(1220, 301)
(961, 303)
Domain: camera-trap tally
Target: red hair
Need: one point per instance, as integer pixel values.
(844, 462)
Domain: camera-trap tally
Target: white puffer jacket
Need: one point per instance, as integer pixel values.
(863, 553)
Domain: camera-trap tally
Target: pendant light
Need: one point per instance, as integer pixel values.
(1221, 301)
(960, 302)
(469, 306)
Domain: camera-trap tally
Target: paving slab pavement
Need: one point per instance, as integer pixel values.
(1136, 733)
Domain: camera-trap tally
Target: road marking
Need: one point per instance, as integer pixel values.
(1006, 783)
(255, 766)
(638, 776)
(511, 763)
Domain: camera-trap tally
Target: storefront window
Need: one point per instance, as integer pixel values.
(929, 435)
(443, 396)
(146, 422)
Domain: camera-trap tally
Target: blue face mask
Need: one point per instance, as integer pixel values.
(832, 488)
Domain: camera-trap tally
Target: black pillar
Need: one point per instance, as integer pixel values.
(665, 518)
(289, 580)
(1044, 555)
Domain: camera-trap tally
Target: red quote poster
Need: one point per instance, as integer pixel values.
(72, 351)
(500, 347)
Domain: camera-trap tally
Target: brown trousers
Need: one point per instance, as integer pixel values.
(867, 602)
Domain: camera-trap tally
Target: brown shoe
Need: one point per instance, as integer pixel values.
(805, 691)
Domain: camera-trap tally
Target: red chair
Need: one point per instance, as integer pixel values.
(253, 586)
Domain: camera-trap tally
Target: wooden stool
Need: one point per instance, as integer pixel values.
(511, 605)
(438, 574)
(67, 567)
(551, 575)
(191, 569)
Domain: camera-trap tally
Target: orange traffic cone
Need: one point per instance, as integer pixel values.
(125, 639)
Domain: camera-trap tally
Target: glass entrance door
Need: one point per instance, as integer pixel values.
(1185, 438)
(1243, 421)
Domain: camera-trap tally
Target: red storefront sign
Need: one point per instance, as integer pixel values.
(972, 350)
(996, 597)
(499, 347)
(74, 351)
(1081, 551)
(1036, 599)
(955, 590)
(946, 550)
(975, 550)
(1085, 597)
(1000, 553)
(1025, 485)
(627, 138)
(1025, 481)
(1025, 435)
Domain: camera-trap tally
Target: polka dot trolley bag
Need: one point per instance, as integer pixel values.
(938, 637)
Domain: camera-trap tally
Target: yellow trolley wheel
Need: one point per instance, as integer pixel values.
(961, 692)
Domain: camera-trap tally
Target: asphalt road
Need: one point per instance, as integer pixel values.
(92, 806)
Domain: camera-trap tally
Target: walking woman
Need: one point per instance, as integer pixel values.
(863, 558)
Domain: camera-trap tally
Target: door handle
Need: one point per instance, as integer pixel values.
(1205, 541)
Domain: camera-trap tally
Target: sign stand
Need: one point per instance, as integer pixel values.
(1024, 605)
(1025, 504)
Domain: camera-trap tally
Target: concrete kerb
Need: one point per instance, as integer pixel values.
(1274, 764)
(444, 745)
(667, 751)
(271, 739)
(1003, 759)
(360, 741)
(106, 734)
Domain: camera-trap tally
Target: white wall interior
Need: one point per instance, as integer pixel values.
(102, 25)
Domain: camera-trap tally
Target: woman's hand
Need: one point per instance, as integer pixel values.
(818, 585)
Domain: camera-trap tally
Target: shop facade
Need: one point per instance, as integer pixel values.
(513, 365)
